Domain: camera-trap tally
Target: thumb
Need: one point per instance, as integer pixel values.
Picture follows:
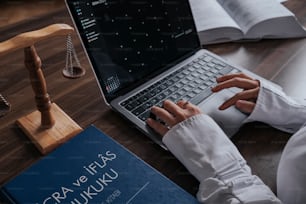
(245, 106)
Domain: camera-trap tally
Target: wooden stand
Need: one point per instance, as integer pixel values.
(49, 126)
(48, 139)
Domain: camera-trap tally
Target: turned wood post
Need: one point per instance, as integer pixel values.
(49, 126)
(43, 102)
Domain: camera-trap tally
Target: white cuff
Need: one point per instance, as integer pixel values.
(201, 145)
(275, 108)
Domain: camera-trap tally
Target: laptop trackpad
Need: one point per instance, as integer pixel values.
(230, 120)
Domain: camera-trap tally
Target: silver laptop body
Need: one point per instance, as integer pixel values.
(143, 52)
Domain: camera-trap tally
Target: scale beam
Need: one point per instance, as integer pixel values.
(30, 38)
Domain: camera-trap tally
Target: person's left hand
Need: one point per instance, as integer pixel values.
(171, 114)
(245, 100)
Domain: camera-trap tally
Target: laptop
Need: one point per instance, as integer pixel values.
(145, 51)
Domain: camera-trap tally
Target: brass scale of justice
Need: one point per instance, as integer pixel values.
(49, 126)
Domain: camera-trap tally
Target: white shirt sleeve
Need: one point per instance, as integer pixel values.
(291, 174)
(224, 176)
(208, 154)
(275, 108)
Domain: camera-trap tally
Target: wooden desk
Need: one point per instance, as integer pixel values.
(282, 61)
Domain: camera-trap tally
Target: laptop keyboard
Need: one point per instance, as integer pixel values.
(192, 83)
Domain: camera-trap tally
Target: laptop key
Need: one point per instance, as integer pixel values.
(130, 106)
(225, 70)
(138, 111)
(191, 83)
(144, 116)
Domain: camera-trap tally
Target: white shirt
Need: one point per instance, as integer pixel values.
(201, 145)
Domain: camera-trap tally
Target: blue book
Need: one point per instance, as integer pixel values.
(92, 168)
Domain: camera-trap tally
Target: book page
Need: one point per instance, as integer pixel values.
(208, 14)
(248, 13)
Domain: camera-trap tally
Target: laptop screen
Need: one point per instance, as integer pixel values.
(129, 41)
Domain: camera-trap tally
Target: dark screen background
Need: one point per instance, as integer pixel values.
(129, 41)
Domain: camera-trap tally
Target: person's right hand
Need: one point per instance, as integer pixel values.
(245, 100)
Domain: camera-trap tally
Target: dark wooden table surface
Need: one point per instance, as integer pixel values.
(282, 61)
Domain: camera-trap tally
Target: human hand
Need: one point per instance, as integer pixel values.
(171, 114)
(245, 100)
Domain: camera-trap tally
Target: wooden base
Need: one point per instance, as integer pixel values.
(48, 139)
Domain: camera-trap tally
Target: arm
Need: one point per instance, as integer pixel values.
(291, 174)
(277, 109)
(263, 102)
(198, 142)
(269, 104)
(211, 157)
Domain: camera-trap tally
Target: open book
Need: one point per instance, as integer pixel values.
(231, 20)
